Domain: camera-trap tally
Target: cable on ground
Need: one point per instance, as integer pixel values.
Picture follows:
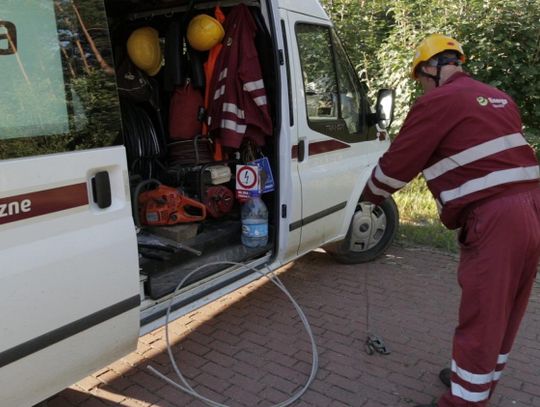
(186, 387)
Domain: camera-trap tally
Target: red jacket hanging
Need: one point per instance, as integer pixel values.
(238, 105)
(465, 136)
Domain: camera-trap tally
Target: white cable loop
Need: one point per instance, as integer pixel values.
(186, 386)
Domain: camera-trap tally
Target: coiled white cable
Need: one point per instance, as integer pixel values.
(186, 387)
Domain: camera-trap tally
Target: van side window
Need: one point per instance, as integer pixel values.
(349, 92)
(332, 89)
(58, 88)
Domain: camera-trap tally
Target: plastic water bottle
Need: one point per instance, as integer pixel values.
(254, 216)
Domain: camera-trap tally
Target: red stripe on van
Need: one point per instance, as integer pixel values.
(321, 147)
(32, 204)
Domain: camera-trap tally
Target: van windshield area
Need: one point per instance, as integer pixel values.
(58, 88)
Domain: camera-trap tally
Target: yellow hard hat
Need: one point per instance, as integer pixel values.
(144, 50)
(204, 32)
(432, 45)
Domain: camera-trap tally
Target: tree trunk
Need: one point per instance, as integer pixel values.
(104, 65)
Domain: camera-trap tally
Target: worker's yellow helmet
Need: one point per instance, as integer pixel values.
(204, 32)
(144, 50)
(433, 45)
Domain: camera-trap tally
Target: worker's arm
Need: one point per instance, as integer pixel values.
(409, 153)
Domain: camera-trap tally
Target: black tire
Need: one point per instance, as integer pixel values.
(372, 229)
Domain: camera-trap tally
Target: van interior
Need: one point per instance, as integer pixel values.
(182, 178)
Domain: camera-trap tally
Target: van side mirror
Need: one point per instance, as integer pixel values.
(384, 110)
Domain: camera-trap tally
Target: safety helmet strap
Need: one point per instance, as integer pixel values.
(436, 77)
(439, 62)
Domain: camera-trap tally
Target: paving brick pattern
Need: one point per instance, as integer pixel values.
(250, 348)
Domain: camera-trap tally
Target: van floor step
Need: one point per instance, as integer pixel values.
(210, 235)
(164, 282)
(218, 241)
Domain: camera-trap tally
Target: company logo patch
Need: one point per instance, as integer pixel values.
(495, 102)
(482, 101)
(498, 103)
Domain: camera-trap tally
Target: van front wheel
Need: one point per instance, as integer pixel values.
(371, 231)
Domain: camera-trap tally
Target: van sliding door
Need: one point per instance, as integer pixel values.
(69, 298)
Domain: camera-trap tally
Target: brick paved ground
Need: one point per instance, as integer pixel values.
(250, 349)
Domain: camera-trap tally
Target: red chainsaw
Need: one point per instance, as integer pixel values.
(169, 206)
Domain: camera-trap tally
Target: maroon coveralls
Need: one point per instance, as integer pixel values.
(465, 136)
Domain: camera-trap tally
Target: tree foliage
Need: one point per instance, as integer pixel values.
(500, 37)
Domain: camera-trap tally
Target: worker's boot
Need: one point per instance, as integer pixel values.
(445, 375)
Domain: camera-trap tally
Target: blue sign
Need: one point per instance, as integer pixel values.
(265, 174)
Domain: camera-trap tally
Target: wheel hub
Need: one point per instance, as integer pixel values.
(368, 227)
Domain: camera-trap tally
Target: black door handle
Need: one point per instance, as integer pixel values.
(301, 150)
(101, 189)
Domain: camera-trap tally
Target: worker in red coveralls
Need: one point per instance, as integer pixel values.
(466, 138)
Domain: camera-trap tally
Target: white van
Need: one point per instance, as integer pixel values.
(76, 272)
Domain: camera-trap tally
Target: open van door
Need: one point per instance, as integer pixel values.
(69, 301)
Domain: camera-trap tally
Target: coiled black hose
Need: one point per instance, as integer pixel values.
(143, 145)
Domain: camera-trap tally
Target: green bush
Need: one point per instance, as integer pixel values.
(419, 220)
(500, 37)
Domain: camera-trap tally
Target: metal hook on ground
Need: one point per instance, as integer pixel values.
(375, 344)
